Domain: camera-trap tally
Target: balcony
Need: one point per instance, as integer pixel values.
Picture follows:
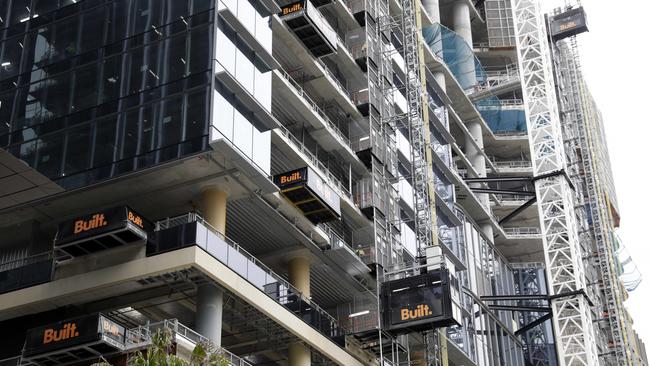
(190, 230)
(325, 130)
(26, 272)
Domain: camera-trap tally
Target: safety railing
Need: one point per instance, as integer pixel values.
(512, 163)
(248, 267)
(331, 178)
(141, 336)
(300, 91)
(512, 197)
(522, 232)
(344, 90)
(25, 272)
(495, 78)
(493, 102)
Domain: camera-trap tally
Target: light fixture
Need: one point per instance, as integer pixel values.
(354, 315)
(5, 64)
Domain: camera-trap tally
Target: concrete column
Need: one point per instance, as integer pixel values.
(299, 275)
(209, 298)
(488, 231)
(299, 355)
(209, 312)
(432, 7)
(474, 155)
(476, 158)
(214, 203)
(462, 24)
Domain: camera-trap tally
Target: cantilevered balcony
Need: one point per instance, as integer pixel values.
(190, 230)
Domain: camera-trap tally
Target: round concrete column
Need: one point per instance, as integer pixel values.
(475, 155)
(299, 275)
(432, 8)
(214, 203)
(488, 231)
(209, 298)
(476, 158)
(299, 355)
(462, 24)
(209, 312)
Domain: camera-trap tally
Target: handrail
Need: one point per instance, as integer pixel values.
(21, 262)
(522, 231)
(328, 174)
(195, 217)
(300, 91)
(512, 163)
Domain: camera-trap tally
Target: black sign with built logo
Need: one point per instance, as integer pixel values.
(99, 222)
(569, 23)
(293, 8)
(417, 303)
(70, 333)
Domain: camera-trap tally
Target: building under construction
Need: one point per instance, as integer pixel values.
(348, 182)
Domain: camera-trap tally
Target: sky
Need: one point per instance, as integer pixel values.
(615, 61)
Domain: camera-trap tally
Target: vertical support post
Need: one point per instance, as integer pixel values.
(299, 277)
(209, 312)
(209, 298)
(214, 208)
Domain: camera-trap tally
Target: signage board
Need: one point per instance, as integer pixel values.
(321, 189)
(417, 303)
(293, 8)
(307, 178)
(71, 333)
(569, 23)
(99, 222)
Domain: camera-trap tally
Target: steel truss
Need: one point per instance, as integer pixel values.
(572, 321)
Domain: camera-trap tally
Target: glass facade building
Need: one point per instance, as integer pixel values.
(93, 89)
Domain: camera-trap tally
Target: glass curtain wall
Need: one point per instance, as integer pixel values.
(485, 336)
(96, 88)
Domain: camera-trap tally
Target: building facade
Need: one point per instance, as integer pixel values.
(348, 182)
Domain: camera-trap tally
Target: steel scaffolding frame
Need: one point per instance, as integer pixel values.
(572, 319)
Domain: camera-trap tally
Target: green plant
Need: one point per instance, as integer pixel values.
(159, 353)
(206, 354)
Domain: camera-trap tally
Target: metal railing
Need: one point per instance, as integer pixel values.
(141, 336)
(24, 261)
(344, 90)
(331, 178)
(512, 197)
(522, 231)
(300, 91)
(253, 270)
(512, 163)
(500, 103)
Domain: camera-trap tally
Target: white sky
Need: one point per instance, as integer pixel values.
(615, 61)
